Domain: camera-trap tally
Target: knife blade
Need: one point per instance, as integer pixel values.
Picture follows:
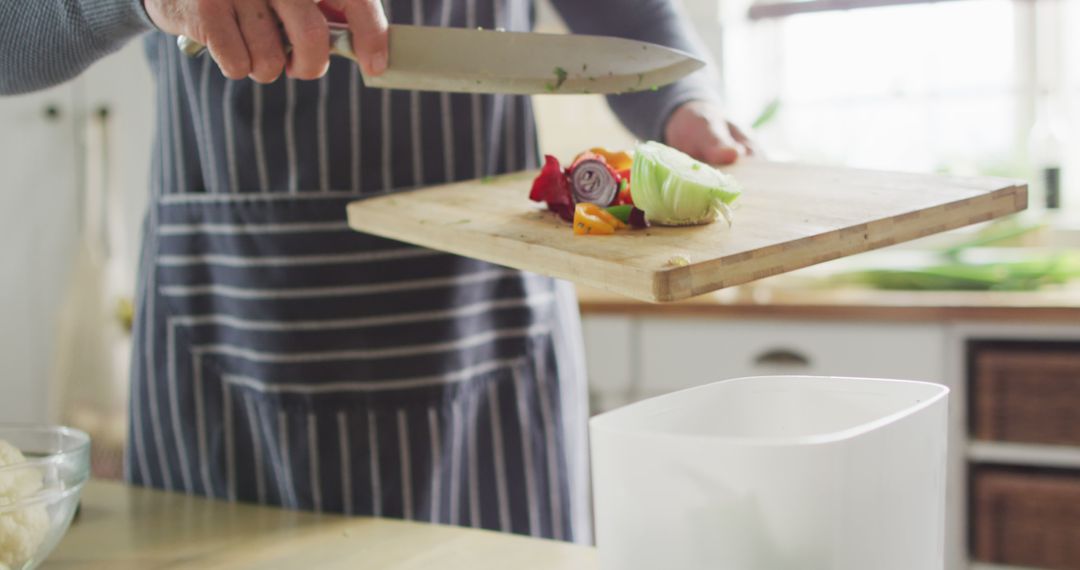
(462, 60)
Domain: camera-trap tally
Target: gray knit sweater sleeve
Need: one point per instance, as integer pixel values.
(46, 42)
(657, 21)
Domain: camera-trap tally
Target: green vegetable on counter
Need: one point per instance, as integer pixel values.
(1000, 231)
(1026, 275)
(767, 114)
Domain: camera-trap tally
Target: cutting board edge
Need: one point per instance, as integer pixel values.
(633, 282)
(877, 234)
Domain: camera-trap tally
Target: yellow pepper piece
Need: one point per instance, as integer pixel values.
(586, 222)
(618, 160)
(606, 216)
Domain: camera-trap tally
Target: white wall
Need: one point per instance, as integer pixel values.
(123, 84)
(41, 191)
(37, 212)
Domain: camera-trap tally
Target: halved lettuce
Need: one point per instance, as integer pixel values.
(674, 189)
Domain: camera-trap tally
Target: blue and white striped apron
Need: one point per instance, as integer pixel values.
(283, 359)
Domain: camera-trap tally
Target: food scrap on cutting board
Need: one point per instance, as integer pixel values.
(604, 191)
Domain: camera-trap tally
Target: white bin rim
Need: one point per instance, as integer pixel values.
(626, 420)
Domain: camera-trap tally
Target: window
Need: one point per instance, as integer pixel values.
(964, 87)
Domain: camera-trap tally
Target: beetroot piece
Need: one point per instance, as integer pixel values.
(552, 187)
(549, 184)
(564, 211)
(637, 219)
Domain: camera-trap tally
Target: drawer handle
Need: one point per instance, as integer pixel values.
(781, 357)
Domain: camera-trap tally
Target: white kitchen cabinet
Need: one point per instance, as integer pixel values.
(680, 353)
(43, 158)
(123, 85)
(39, 162)
(610, 358)
(967, 453)
(630, 357)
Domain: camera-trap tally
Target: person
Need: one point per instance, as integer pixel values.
(281, 358)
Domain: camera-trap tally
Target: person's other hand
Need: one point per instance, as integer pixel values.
(245, 36)
(699, 129)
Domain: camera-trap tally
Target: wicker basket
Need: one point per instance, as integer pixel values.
(1026, 518)
(1025, 393)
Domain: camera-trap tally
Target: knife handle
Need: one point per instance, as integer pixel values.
(340, 43)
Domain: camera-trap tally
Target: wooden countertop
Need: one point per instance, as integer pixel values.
(786, 298)
(121, 527)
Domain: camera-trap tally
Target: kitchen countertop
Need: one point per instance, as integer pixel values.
(122, 527)
(788, 298)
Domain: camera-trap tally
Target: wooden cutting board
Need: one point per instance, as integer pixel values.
(790, 216)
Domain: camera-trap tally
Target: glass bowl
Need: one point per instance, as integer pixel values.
(39, 495)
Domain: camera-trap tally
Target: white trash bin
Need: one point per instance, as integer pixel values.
(774, 473)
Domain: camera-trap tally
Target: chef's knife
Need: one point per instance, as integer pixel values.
(462, 60)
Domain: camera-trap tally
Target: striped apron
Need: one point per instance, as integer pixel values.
(281, 358)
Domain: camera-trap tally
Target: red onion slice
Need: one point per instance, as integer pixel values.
(592, 181)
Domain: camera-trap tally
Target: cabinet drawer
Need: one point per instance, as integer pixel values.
(1026, 518)
(1026, 392)
(609, 349)
(680, 353)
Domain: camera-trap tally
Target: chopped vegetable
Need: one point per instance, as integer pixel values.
(629, 215)
(638, 219)
(674, 189)
(622, 212)
(591, 193)
(679, 261)
(619, 160)
(624, 196)
(609, 218)
(560, 77)
(592, 180)
(552, 188)
(588, 222)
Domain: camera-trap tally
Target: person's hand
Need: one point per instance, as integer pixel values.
(699, 129)
(245, 36)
